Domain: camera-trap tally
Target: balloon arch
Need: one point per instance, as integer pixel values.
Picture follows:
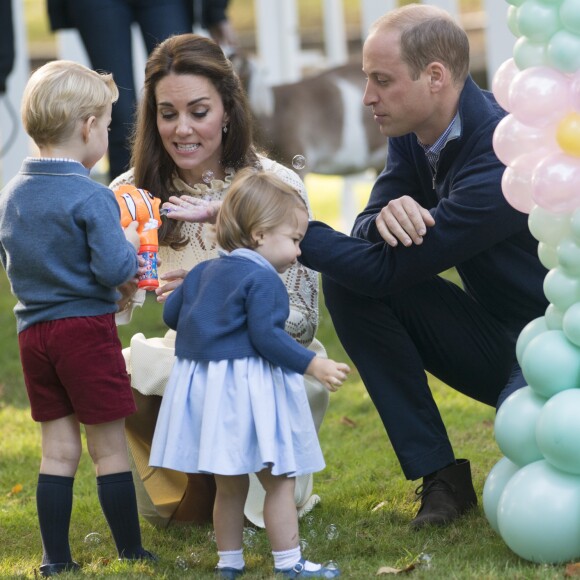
(531, 497)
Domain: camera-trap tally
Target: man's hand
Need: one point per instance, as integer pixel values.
(404, 220)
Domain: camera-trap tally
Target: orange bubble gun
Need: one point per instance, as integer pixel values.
(141, 206)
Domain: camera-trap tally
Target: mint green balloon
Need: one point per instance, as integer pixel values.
(549, 227)
(574, 225)
(561, 289)
(527, 54)
(538, 21)
(512, 21)
(569, 256)
(548, 255)
(554, 317)
(550, 364)
(563, 51)
(529, 332)
(570, 15)
(538, 514)
(571, 324)
(515, 426)
(494, 485)
(558, 431)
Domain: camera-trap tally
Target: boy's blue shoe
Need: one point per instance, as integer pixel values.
(298, 571)
(229, 573)
(142, 554)
(54, 569)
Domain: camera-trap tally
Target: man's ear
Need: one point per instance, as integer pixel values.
(438, 75)
(87, 126)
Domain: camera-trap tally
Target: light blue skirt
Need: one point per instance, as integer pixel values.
(233, 417)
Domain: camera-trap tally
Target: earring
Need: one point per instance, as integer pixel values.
(225, 129)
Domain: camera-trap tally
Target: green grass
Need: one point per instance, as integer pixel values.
(363, 492)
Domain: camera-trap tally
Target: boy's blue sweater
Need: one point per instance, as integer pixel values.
(61, 243)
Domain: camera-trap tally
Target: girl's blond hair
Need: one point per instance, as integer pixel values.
(256, 201)
(61, 93)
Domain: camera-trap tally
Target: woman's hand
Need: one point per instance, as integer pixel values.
(191, 209)
(174, 278)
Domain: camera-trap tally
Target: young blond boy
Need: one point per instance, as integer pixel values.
(65, 253)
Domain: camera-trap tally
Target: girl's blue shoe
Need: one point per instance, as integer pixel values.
(298, 571)
(229, 573)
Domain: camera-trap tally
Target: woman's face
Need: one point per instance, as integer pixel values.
(190, 118)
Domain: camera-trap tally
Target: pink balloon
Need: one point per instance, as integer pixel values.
(538, 96)
(575, 91)
(555, 183)
(502, 80)
(516, 181)
(512, 139)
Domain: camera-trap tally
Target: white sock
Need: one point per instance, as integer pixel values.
(287, 559)
(311, 566)
(231, 559)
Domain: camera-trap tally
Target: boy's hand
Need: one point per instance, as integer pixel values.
(132, 235)
(330, 373)
(127, 291)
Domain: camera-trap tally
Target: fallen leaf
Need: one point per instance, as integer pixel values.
(17, 488)
(572, 569)
(348, 422)
(379, 506)
(389, 570)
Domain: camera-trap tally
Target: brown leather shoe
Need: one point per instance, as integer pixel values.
(445, 495)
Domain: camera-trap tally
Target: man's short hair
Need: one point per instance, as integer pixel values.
(428, 34)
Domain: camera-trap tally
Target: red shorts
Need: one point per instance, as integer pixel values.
(75, 365)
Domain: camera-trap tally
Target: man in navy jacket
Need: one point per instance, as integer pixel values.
(438, 204)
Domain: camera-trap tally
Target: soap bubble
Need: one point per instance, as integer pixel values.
(424, 560)
(299, 162)
(207, 176)
(332, 532)
(93, 538)
(249, 537)
(181, 563)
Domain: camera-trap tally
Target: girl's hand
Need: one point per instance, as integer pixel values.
(174, 279)
(330, 373)
(191, 209)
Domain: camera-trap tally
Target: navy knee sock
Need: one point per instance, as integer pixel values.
(54, 497)
(119, 504)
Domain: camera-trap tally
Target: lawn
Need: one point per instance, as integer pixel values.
(361, 523)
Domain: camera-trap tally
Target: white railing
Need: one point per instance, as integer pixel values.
(278, 46)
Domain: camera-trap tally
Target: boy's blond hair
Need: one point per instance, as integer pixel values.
(61, 93)
(256, 201)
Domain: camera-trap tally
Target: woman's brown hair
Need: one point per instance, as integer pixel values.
(188, 54)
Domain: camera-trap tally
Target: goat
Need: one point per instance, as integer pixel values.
(321, 118)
